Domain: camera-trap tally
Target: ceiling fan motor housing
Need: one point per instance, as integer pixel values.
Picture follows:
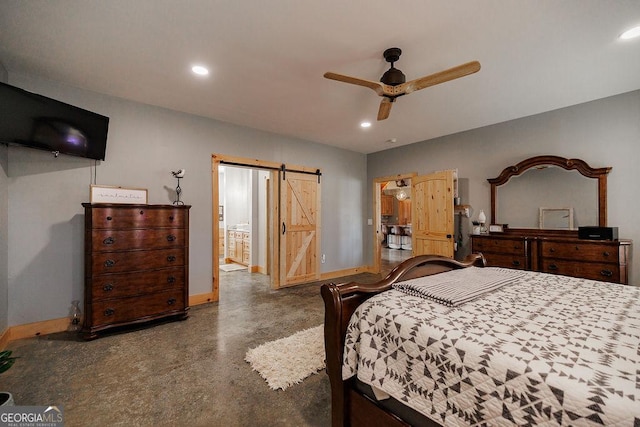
(393, 76)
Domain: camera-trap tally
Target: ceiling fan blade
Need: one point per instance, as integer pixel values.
(376, 86)
(442, 76)
(385, 108)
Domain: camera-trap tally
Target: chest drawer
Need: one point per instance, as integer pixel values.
(119, 262)
(113, 240)
(503, 246)
(506, 261)
(139, 217)
(130, 284)
(587, 270)
(122, 310)
(579, 251)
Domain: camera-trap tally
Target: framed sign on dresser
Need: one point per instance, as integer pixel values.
(136, 265)
(582, 190)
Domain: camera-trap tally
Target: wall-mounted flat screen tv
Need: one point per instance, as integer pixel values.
(39, 122)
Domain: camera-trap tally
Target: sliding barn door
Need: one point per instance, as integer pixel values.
(432, 222)
(300, 228)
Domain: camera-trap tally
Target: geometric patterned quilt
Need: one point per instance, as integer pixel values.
(547, 350)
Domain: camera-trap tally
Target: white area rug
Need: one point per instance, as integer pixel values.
(289, 360)
(232, 267)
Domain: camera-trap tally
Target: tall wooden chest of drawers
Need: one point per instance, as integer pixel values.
(605, 260)
(136, 265)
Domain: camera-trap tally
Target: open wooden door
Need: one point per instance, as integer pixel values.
(432, 222)
(300, 228)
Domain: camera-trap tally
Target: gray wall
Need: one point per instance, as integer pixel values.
(41, 219)
(605, 132)
(4, 228)
(45, 217)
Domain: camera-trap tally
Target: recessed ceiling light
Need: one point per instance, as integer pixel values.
(365, 124)
(200, 70)
(630, 34)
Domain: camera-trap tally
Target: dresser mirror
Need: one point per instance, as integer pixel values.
(541, 191)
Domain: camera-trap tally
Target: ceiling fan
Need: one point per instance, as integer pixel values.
(393, 82)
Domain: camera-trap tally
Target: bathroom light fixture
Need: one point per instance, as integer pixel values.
(365, 125)
(631, 33)
(200, 70)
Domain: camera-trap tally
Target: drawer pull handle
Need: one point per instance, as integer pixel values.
(577, 248)
(171, 218)
(109, 241)
(553, 267)
(516, 263)
(516, 247)
(171, 258)
(605, 253)
(109, 263)
(109, 312)
(171, 238)
(171, 279)
(607, 273)
(141, 212)
(109, 218)
(108, 287)
(171, 301)
(552, 250)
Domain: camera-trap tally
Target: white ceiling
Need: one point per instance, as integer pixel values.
(267, 59)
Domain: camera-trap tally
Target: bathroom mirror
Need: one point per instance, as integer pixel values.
(549, 182)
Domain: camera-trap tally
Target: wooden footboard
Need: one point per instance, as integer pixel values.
(348, 407)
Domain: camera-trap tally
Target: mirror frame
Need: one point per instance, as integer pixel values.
(568, 164)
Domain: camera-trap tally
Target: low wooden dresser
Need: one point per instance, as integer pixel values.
(605, 260)
(136, 265)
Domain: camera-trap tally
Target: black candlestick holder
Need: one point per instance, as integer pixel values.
(178, 192)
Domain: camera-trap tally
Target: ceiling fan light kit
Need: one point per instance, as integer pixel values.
(393, 82)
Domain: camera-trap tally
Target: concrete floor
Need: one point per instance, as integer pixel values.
(182, 373)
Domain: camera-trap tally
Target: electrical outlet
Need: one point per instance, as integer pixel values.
(323, 258)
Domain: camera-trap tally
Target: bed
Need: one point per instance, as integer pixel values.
(536, 349)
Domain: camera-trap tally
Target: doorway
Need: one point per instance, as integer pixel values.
(392, 224)
(243, 216)
(290, 234)
(429, 228)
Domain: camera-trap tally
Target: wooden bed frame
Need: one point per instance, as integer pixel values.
(350, 407)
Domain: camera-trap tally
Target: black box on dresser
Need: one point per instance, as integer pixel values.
(598, 233)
